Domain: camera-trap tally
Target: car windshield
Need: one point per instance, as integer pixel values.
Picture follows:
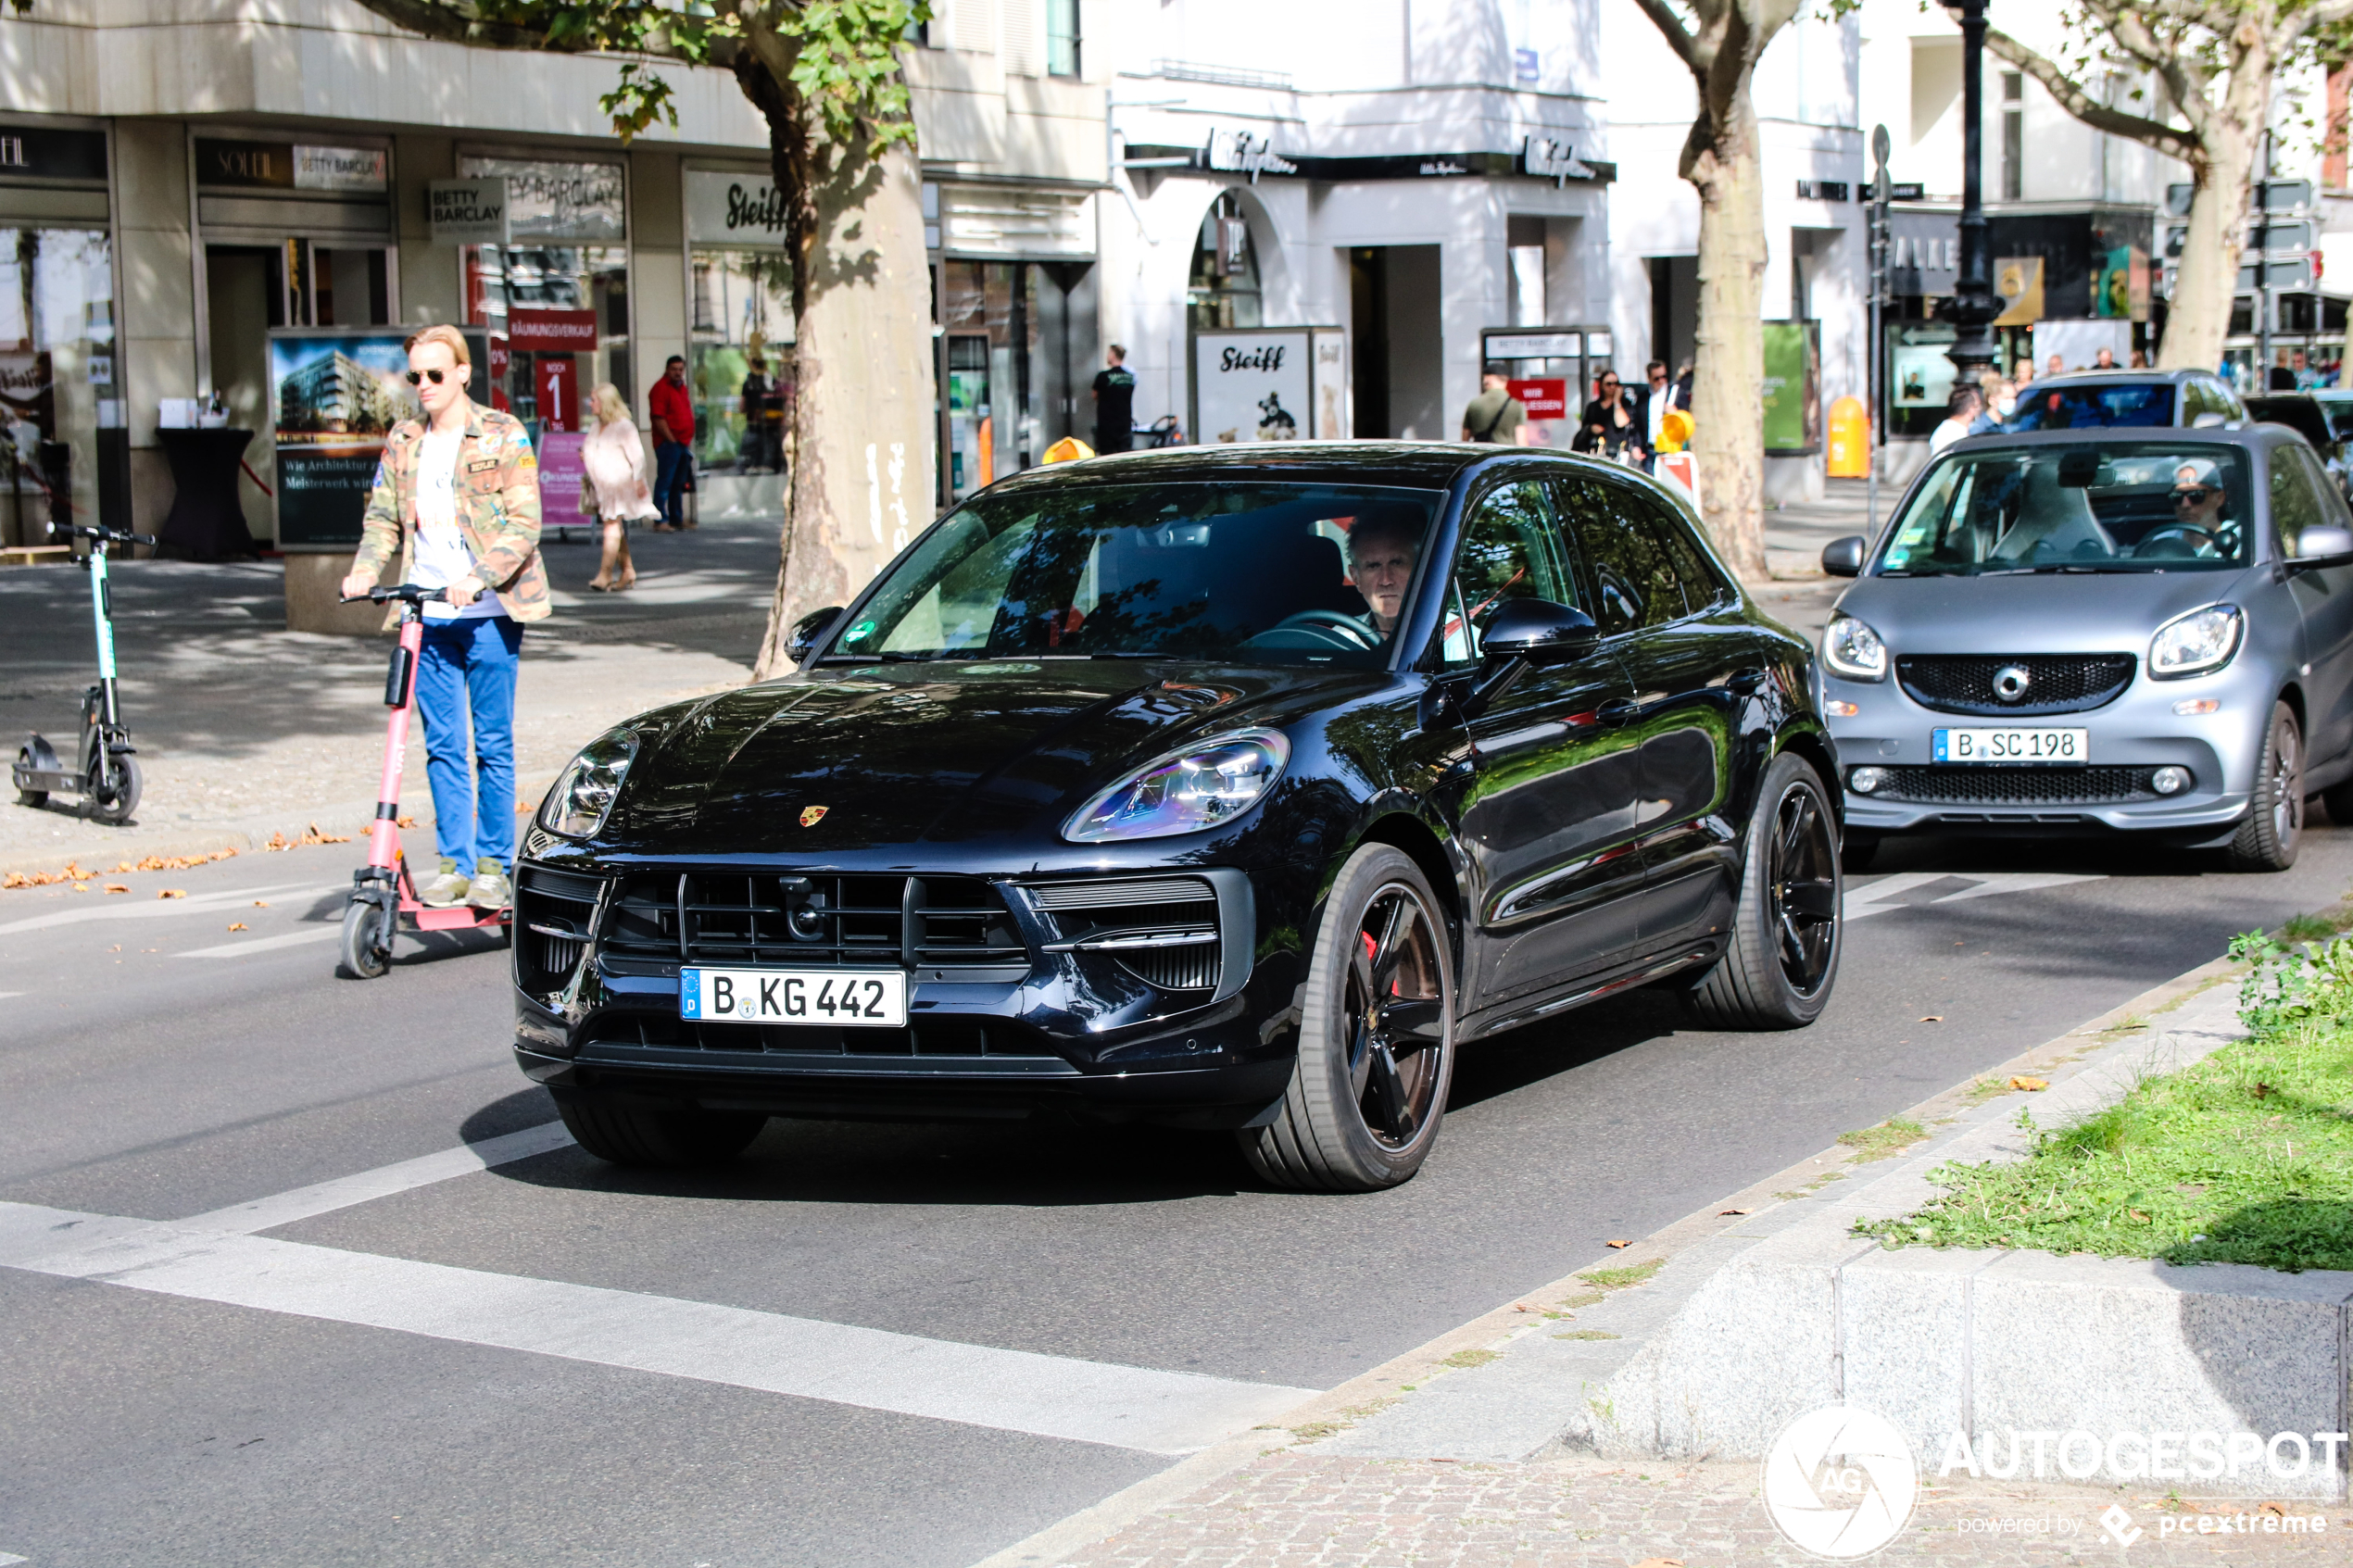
(2095, 507)
(1234, 573)
(2092, 406)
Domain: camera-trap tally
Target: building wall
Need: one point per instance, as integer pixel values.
(152, 215)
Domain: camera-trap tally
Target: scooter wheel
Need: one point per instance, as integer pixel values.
(35, 797)
(116, 803)
(367, 941)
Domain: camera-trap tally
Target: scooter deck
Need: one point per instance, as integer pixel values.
(457, 917)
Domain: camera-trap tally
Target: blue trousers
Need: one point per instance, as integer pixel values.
(466, 683)
(672, 463)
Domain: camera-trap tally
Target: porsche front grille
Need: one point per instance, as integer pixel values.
(764, 918)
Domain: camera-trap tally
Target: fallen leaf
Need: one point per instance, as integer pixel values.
(1660, 1562)
(2136, 1215)
(1522, 1307)
(261, 903)
(1618, 1243)
(236, 925)
(1721, 1212)
(2021, 1082)
(1934, 1018)
(411, 822)
(2263, 1089)
(116, 949)
(2272, 1507)
(82, 887)
(118, 887)
(171, 893)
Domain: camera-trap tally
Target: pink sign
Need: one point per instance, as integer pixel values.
(557, 330)
(560, 471)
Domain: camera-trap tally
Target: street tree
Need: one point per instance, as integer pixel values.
(2214, 64)
(1720, 42)
(825, 76)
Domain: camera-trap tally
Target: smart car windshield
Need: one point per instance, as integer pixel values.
(1234, 572)
(2093, 407)
(2096, 507)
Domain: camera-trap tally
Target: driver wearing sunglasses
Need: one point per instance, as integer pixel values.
(2197, 496)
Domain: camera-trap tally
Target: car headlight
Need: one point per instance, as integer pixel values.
(1185, 791)
(2194, 643)
(585, 791)
(1854, 650)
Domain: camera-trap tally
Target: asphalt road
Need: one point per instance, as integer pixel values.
(382, 1382)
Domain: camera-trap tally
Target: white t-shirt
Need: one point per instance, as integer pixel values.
(1945, 435)
(442, 555)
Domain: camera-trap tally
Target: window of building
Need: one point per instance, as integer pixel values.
(1061, 37)
(2013, 135)
(1223, 291)
(59, 374)
(555, 301)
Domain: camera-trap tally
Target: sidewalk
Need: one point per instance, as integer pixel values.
(245, 729)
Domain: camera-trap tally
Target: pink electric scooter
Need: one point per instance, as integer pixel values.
(383, 894)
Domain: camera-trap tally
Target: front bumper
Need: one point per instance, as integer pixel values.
(2129, 737)
(1061, 1027)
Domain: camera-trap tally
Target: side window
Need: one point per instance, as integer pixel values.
(1511, 550)
(2333, 509)
(1635, 583)
(2296, 501)
(1704, 584)
(2194, 403)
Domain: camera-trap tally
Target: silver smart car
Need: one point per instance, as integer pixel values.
(2080, 632)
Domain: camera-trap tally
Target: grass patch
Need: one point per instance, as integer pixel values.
(1317, 1431)
(2245, 1157)
(1985, 1089)
(1584, 1298)
(1465, 1360)
(1585, 1334)
(1892, 1136)
(1619, 1279)
(2309, 928)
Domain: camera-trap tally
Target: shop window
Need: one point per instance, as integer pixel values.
(58, 374)
(554, 302)
(739, 369)
(1223, 291)
(1061, 37)
(1012, 385)
(2013, 135)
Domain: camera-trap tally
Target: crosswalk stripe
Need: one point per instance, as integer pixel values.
(1138, 1408)
(366, 1187)
(265, 944)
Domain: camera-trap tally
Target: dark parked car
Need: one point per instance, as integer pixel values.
(1233, 789)
(2304, 414)
(2100, 399)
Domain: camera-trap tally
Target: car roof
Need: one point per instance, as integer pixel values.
(1429, 465)
(2248, 435)
(2121, 376)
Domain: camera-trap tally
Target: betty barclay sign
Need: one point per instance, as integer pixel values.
(733, 209)
(468, 212)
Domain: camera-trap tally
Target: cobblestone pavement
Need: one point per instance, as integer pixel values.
(1295, 1509)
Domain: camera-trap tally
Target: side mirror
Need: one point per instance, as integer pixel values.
(2323, 545)
(1844, 558)
(2209, 421)
(808, 630)
(1538, 630)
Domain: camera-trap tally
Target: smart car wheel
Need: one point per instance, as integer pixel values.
(1375, 1037)
(1777, 971)
(632, 1132)
(2267, 840)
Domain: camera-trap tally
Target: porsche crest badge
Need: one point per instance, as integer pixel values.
(811, 815)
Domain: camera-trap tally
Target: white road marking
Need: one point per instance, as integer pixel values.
(1870, 900)
(8, 1557)
(1864, 901)
(285, 1208)
(264, 943)
(115, 908)
(1139, 1407)
(2015, 882)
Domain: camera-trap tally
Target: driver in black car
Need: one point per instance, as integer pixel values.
(1382, 548)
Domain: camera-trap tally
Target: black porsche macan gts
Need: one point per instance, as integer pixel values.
(1226, 789)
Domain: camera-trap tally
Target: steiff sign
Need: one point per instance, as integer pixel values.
(468, 212)
(733, 209)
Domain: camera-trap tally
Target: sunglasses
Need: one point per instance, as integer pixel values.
(433, 376)
(2193, 496)
(1609, 380)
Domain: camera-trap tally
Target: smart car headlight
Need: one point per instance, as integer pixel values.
(1854, 650)
(2195, 644)
(585, 791)
(1207, 784)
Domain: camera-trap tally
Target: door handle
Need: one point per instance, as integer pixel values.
(1619, 710)
(1747, 683)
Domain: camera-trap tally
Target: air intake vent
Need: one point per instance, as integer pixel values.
(554, 913)
(1174, 968)
(1120, 895)
(710, 917)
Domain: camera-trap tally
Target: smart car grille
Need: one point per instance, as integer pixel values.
(2017, 786)
(932, 1036)
(2057, 683)
(1162, 930)
(554, 913)
(764, 918)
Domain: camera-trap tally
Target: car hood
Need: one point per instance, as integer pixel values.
(2054, 612)
(832, 762)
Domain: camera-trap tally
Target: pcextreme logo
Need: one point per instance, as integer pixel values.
(1841, 1482)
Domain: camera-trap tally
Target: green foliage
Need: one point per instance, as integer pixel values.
(1890, 1137)
(2287, 986)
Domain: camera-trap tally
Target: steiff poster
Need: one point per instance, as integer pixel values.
(1262, 383)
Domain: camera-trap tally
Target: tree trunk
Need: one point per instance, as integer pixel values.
(863, 412)
(2199, 316)
(1728, 390)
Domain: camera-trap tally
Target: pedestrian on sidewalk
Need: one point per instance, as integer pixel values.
(456, 500)
(1114, 403)
(674, 416)
(1959, 414)
(1495, 415)
(614, 487)
(1608, 426)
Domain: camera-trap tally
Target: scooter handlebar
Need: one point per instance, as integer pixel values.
(109, 536)
(407, 592)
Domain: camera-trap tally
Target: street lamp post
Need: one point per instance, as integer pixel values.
(1973, 302)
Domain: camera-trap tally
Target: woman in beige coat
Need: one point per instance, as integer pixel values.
(613, 487)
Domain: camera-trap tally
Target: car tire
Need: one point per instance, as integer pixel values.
(632, 1133)
(1375, 1037)
(1777, 971)
(2273, 829)
(1856, 851)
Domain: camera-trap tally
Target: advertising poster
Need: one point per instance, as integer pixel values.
(1546, 400)
(2019, 280)
(1253, 384)
(336, 394)
(560, 468)
(1333, 421)
(1793, 388)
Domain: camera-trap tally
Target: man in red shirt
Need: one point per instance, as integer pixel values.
(673, 413)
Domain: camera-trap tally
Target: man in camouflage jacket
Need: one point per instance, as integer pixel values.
(456, 499)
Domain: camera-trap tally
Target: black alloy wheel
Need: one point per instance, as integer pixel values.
(1779, 967)
(1375, 1039)
(2267, 838)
